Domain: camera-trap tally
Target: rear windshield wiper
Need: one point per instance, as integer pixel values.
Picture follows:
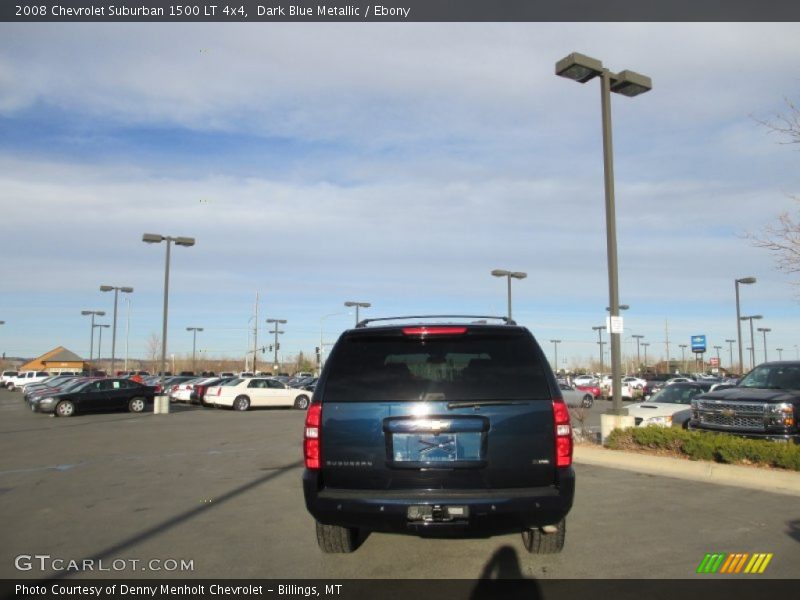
(474, 403)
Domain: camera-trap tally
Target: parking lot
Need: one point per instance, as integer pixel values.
(218, 492)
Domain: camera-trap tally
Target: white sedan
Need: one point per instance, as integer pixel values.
(244, 393)
(584, 380)
(634, 382)
(664, 404)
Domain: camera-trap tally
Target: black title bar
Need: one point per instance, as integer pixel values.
(221, 11)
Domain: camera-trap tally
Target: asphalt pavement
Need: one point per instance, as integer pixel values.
(219, 493)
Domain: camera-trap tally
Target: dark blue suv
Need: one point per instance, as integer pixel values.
(453, 428)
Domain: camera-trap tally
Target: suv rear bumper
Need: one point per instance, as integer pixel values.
(487, 512)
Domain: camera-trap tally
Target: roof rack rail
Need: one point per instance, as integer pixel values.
(479, 319)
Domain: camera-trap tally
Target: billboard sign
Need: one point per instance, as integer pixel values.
(698, 343)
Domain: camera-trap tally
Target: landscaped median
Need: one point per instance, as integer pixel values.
(695, 445)
(691, 455)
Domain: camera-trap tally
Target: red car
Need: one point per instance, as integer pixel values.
(592, 389)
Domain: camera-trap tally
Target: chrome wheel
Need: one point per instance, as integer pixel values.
(65, 408)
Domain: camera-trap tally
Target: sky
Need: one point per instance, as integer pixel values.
(390, 163)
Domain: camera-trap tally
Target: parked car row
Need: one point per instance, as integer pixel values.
(67, 394)
(89, 394)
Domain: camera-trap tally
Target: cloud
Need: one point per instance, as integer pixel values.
(401, 162)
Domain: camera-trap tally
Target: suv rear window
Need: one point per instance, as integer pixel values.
(476, 366)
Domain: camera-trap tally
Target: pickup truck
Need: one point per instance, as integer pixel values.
(26, 377)
(764, 405)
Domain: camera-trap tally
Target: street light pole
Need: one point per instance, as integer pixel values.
(730, 350)
(99, 313)
(127, 330)
(780, 353)
(739, 319)
(509, 275)
(683, 356)
(582, 69)
(116, 289)
(638, 338)
(752, 344)
(321, 341)
(351, 303)
(764, 330)
(645, 345)
(555, 350)
(100, 339)
(599, 329)
(157, 238)
(194, 331)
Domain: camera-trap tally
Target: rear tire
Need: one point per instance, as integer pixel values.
(334, 539)
(301, 402)
(538, 542)
(241, 403)
(136, 405)
(588, 401)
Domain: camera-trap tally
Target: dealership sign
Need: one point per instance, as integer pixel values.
(698, 343)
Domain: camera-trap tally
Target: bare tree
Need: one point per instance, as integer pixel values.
(786, 125)
(782, 237)
(153, 350)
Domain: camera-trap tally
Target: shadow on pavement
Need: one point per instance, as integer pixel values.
(502, 577)
(794, 530)
(181, 518)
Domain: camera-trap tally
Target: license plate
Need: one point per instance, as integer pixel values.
(436, 448)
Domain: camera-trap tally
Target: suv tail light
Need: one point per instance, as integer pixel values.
(563, 431)
(311, 450)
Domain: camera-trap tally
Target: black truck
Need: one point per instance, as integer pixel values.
(764, 405)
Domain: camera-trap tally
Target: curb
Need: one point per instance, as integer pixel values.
(775, 481)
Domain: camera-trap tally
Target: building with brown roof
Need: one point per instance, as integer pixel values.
(58, 360)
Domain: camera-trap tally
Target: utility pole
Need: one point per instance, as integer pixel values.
(278, 323)
(666, 333)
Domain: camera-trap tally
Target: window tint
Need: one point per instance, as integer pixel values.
(273, 384)
(775, 376)
(676, 394)
(484, 366)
